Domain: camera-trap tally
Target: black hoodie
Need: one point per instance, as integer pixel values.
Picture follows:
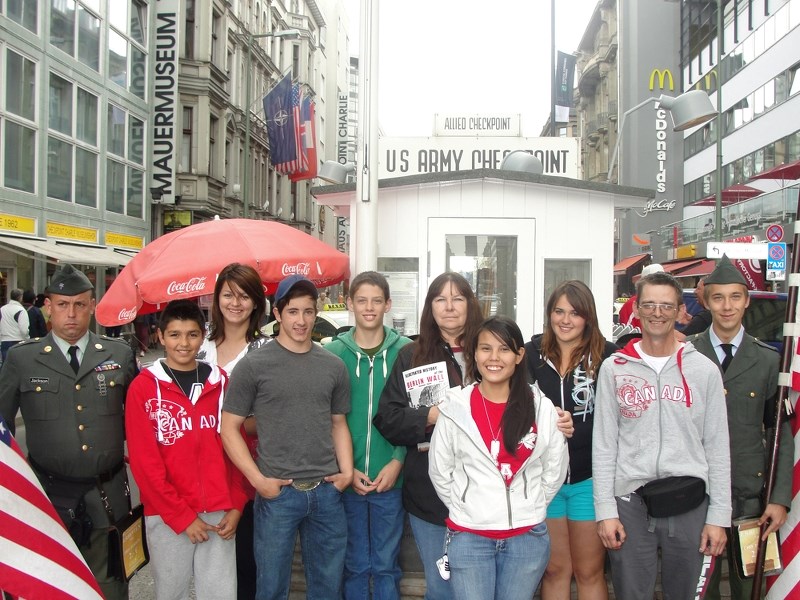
(575, 393)
(403, 425)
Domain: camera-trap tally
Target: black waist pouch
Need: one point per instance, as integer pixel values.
(672, 496)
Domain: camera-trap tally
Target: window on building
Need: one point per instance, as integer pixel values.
(20, 97)
(24, 12)
(127, 59)
(85, 177)
(296, 61)
(88, 38)
(115, 130)
(86, 117)
(62, 25)
(186, 140)
(213, 125)
(188, 46)
(216, 35)
(124, 165)
(136, 140)
(135, 206)
(59, 169)
(20, 157)
(115, 186)
(60, 104)
(117, 59)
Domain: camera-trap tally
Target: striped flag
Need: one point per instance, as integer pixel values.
(38, 558)
(308, 140)
(296, 163)
(787, 584)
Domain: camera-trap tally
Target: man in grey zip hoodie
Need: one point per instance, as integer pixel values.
(660, 412)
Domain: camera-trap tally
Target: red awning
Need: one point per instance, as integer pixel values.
(628, 263)
(699, 270)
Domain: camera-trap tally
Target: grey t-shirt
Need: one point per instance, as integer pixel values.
(292, 397)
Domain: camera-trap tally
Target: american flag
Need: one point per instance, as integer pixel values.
(38, 558)
(300, 161)
(787, 584)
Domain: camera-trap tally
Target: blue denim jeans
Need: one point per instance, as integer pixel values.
(430, 543)
(319, 516)
(374, 531)
(485, 569)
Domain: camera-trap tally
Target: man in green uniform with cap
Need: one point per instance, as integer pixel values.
(750, 375)
(70, 386)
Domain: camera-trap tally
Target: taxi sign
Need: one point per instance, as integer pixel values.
(776, 261)
(335, 307)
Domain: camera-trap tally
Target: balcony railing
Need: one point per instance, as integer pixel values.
(745, 218)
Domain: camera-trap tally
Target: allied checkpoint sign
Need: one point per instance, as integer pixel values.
(401, 156)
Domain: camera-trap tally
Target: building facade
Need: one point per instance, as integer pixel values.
(122, 120)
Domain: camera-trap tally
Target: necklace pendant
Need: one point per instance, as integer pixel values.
(494, 449)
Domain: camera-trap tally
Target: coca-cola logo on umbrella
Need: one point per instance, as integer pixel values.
(127, 314)
(303, 268)
(195, 284)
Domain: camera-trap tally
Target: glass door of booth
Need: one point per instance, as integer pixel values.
(495, 255)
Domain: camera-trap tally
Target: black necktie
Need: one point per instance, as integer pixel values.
(728, 350)
(73, 358)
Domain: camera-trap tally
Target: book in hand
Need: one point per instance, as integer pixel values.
(426, 386)
(746, 533)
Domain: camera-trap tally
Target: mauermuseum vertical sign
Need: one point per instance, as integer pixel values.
(165, 98)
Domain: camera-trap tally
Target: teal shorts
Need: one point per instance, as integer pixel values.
(574, 501)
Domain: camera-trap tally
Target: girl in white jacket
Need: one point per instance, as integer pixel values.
(496, 460)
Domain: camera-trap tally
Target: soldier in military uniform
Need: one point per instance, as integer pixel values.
(70, 386)
(750, 375)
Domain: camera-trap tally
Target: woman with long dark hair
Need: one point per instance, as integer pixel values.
(238, 307)
(497, 458)
(564, 361)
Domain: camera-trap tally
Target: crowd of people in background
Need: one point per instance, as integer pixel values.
(516, 464)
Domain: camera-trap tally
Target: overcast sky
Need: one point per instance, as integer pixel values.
(466, 57)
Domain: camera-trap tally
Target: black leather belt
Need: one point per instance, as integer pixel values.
(103, 477)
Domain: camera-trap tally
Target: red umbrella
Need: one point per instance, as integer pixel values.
(784, 172)
(730, 195)
(186, 262)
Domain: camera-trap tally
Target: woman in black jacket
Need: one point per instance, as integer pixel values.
(564, 362)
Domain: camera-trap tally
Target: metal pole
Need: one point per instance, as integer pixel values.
(247, 102)
(553, 68)
(718, 200)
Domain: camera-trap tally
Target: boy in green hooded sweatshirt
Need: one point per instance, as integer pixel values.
(374, 504)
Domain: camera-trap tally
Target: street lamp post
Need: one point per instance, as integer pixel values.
(247, 102)
(718, 191)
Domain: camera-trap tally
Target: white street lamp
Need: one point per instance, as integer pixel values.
(688, 110)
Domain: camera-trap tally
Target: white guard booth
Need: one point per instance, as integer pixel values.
(513, 235)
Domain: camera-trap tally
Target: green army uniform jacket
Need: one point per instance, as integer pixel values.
(751, 384)
(74, 423)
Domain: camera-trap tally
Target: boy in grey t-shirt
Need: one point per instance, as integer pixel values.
(299, 395)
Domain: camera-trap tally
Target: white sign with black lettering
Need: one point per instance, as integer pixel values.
(399, 157)
(446, 124)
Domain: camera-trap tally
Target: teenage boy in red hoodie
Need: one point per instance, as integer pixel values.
(192, 494)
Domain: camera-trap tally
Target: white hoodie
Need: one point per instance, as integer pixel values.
(469, 483)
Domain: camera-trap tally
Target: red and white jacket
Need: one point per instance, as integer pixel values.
(175, 449)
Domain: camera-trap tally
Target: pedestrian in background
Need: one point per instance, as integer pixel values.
(374, 503)
(37, 327)
(13, 323)
(564, 362)
(497, 459)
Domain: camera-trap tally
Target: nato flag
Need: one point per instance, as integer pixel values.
(280, 122)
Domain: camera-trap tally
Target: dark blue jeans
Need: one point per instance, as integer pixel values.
(374, 531)
(319, 517)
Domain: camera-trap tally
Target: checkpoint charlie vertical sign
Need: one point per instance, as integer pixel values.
(164, 112)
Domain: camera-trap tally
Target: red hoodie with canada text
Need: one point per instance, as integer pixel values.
(175, 448)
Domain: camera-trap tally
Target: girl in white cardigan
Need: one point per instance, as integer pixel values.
(497, 458)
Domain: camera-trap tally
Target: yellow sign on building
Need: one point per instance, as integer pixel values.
(687, 251)
(71, 232)
(124, 240)
(16, 224)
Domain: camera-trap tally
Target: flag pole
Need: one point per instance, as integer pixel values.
(783, 408)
